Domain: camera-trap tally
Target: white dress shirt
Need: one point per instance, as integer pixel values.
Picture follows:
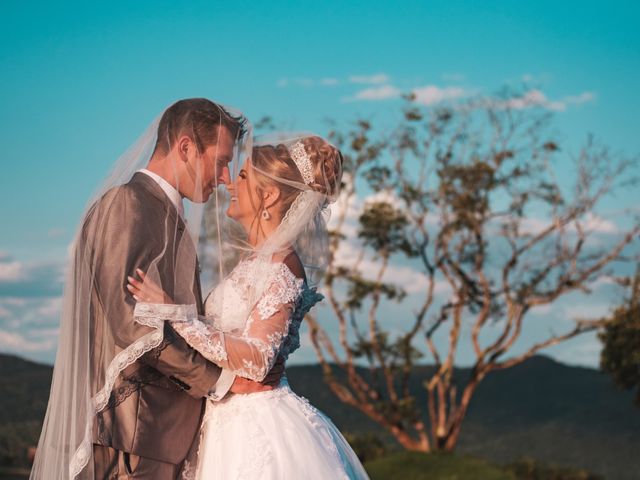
(226, 378)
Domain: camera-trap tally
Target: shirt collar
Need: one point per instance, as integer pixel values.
(168, 189)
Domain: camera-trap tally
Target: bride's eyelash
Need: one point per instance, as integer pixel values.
(242, 174)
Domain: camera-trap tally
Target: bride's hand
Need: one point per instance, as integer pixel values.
(145, 290)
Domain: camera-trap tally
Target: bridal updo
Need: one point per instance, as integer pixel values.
(276, 161)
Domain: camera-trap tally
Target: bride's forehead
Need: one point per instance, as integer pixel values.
(247, 165)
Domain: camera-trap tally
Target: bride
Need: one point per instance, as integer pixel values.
(254, 315)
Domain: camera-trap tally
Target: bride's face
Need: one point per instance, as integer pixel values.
(245, 200)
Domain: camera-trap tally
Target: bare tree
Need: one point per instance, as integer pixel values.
(468, 196)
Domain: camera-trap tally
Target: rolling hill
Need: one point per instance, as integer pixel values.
(541, 409)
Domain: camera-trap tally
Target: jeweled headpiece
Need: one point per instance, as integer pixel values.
(301, 158)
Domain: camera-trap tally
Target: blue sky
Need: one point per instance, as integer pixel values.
(80, 81)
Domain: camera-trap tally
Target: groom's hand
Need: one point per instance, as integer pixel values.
(271, 381)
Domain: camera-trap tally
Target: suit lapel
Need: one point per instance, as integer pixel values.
(146, 182)
(150, 186)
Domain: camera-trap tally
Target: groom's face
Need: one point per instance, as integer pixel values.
(209, 168)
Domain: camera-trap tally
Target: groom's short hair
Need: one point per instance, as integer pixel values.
(198, 118)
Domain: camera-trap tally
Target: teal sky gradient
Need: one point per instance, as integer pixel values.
(79, 81)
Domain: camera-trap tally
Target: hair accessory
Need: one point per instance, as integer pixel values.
(303, 162)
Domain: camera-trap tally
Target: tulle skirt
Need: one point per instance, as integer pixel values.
(273, 435)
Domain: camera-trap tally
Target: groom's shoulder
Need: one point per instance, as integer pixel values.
(125, 194)
(122, 200)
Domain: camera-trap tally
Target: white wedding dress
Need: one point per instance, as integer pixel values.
(268, 435)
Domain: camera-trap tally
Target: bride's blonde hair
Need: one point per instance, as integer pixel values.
(276, 161)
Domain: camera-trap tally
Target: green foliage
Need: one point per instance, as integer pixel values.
(442, 466)
(421, 466)
(360, 288)
(528, 469)
(15, 439)
(465, 190)
(378, 177)
(367, 446)
(620, 354)
(383, 228)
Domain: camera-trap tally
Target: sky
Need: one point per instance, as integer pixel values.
(80, 81)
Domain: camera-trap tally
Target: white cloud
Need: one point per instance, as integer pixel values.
(376, 79)
(51, 307)
(586, 311)
(50, 333)
(532, 98)
(537, 98)
(29, 279)
(30, 325)
(595, 223)
(453, 77)
(14, 301)
(329, 82)
(409, 279)
(425, 95)
(385, 196)
(12, 272)
(299, 82)
(584, 97)
(535, 79)
(590, 223)
(432, 94)
(18, 343)
(532, 226)
(378, 93)
(307, 82)
(542, 310)
(583, 350)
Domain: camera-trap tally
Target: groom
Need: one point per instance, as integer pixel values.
(155, 407)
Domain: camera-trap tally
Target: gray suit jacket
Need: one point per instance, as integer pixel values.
(156, 405)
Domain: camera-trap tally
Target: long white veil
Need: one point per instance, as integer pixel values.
(91, 354)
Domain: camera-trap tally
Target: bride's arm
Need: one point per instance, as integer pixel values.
(252, 353)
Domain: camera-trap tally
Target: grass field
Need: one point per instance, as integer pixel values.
(418, 466)
(13, 473)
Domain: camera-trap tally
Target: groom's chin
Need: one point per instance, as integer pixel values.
(201, 197)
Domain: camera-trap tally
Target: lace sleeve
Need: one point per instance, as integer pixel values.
(252, 353)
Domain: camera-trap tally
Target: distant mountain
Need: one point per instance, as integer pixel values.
(541, 409)
(25, 391)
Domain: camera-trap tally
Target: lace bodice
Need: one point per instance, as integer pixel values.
(238, 333)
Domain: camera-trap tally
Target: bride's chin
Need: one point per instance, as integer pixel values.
(231, 214)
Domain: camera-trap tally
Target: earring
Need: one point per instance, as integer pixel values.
(265, 214)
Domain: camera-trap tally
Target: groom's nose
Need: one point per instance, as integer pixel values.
(224, 177)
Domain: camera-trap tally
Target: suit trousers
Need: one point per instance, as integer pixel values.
(111, 464)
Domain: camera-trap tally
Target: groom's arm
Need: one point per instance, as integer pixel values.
(124, 240)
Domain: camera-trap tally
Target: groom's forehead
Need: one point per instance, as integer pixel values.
(224, 134)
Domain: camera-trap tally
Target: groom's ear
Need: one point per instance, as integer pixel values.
(184, 144)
